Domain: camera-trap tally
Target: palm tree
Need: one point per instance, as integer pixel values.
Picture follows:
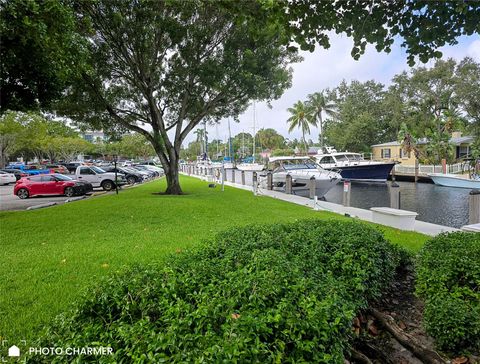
(409, 145)
(317, 103)
(301, 118)
(202, 139)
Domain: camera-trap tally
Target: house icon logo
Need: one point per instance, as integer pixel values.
(13, 351)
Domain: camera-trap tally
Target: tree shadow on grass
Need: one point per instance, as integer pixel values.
(168, 194)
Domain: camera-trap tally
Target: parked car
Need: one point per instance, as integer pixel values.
(150, 173)
(30, 169)
(57, 168)
(132, 175)
(50, 184)
(99, 178)
(126, 163)
(17, 172)
(144, 173)
(159, 170)
(72, 166)
(7, 178)
(150, 163)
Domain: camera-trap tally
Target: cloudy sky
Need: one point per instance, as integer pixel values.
(327, 68)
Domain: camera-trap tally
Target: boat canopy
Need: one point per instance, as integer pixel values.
(342, 157)
(291, 163)
(286, 158)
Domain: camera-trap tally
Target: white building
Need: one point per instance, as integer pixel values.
(94, 136)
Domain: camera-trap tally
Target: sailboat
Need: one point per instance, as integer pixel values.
(248, 164)
(227, 162)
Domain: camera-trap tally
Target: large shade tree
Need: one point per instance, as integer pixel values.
(162, 68)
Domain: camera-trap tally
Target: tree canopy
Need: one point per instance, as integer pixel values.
(429, 102)
(160, 68)
(38, 53)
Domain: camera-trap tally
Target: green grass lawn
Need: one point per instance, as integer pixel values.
(49, 256)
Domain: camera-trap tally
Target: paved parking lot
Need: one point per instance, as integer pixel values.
(8, 201)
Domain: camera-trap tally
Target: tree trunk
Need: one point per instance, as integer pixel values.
(305, 142)
(321, 130)
(173, 184)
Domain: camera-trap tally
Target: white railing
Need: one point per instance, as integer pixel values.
(425, 168)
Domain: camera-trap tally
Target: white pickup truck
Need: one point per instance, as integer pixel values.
(98, 177)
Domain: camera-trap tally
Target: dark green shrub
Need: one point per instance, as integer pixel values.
(278, 293)
(449, 281)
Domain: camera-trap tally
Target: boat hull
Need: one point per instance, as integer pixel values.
(301, 183)
(365, 172)
(451, 180)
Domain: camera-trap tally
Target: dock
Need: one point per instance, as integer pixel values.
(354, 212)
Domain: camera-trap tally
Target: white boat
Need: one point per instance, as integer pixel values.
(257, 167)
(354, 167)
(302, 169)
(453, 180)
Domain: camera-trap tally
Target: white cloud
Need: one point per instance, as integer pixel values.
(327, 68)
(474, 50)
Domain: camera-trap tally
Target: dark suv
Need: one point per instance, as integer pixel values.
(72, 167)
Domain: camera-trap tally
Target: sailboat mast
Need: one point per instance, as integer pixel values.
(253, 155)
(229, 141)
(243, 144)
(205, 139)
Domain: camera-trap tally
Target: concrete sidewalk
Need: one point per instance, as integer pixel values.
(362, 214)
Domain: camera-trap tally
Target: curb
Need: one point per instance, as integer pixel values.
(75, 199)
(41, 206)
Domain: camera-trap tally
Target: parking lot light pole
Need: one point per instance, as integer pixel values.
(115, 157)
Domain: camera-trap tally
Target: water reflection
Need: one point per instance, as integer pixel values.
(436, 204)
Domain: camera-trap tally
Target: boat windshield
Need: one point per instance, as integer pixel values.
(354, 157)
(299, 164)
(341, 158)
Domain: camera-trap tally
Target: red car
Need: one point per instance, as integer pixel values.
(50, 184)
(57, 168)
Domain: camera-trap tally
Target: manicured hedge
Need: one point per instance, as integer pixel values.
(449, 281)
(277, 293)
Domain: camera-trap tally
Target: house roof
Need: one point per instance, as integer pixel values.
(462, 140)
(389, 144)
(456, 141)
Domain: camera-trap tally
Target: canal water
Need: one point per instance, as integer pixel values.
(446, 206)
(435, 204)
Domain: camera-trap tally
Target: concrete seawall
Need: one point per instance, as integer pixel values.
(362, 214)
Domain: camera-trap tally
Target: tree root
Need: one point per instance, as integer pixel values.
(409, 342)
(373, 351)
(359, 357)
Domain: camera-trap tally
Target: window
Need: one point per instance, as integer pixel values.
(462, 151)
(327, 160)
(341, 158)
(97, 170)
(48, 178)
(36, 178)
(86, 170)
(386, 153)
(61, 177)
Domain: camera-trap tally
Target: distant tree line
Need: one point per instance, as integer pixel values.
(427, 102)
(266, 139)
(33, 136)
